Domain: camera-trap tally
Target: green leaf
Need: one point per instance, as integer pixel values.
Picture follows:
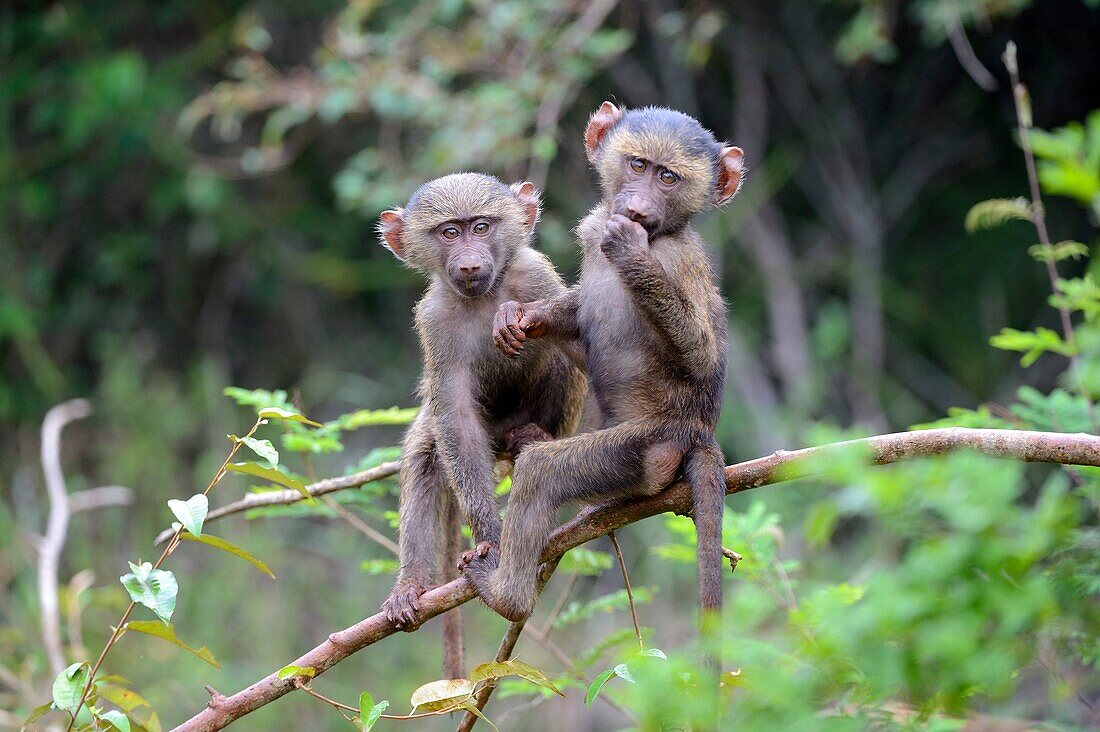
(373, 417)
(596, 686)
(619, 600)
(1058, 252)
(117, 719)
(156, 589)
(287, 672)
(231, 548)
(136, 707)
(443, 694)
(192, 512)
(270, 474)
(654, 653)
(286, 415)
(69, 686)
(584, 561)
(498, 669)
(1032, 343)
(996, 211)
(380, 566)
(263, 448)
(369, 712)
(623, 672)
(168, 633)
(260, 398)
(38, 713)
(471, 707)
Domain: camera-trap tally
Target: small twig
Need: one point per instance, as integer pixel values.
(629, 591)
(1038, 214)
(361, 526)
(57, 525)
(290, 496)
(563, 598)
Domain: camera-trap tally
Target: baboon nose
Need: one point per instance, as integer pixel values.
(468, 269)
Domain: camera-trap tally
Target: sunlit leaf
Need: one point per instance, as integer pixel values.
(191, 513)
(231, 548)
(168, 633)
(137, 708)
(287, 672)
(498, 669)
(375, 417)
(996, 211)
(471, 707)
(116, 719)
(156, 589)
(284, 414)
(443, 694)
(263, 448)
(623, 672)
(654, 653)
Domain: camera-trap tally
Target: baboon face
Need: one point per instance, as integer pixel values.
(467, 253)
(464, 228)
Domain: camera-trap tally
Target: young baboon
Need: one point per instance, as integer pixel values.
(470, 235)
(652, 325)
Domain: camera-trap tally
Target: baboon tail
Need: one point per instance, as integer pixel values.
(704, 469)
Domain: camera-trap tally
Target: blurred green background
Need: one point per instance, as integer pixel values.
(188, 193)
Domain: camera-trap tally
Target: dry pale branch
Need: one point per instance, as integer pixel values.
(286, 497)
(57, 525)
(590, 523)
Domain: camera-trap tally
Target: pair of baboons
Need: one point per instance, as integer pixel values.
(509, 353)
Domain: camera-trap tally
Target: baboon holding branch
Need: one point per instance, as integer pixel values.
(652, 325)
(470, 235)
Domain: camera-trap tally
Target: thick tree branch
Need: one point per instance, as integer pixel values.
(590, 523)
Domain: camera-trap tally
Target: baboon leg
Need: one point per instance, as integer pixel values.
(453, 651)
(629, 459)
(424, 490)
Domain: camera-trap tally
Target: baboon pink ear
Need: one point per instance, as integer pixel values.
(531, 201)
(731, 170)
(391, 223)
(606, 117)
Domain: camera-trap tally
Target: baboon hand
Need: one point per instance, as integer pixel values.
(478, 552)
(514, 323)
(623, 238)
(403, 605)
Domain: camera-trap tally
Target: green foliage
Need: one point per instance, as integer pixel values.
(191, 512)
(168, 633)
(576, 611)
(1069, 160)
(994, 212)
(154, 588)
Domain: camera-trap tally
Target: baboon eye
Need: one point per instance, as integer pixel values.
(668, 177)
(481, 227)
(450, 233)
(638, 165)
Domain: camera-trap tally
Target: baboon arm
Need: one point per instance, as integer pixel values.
(466, 453)
(676, 306)
(560, 315)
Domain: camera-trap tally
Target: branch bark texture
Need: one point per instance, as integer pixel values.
(593, 522)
